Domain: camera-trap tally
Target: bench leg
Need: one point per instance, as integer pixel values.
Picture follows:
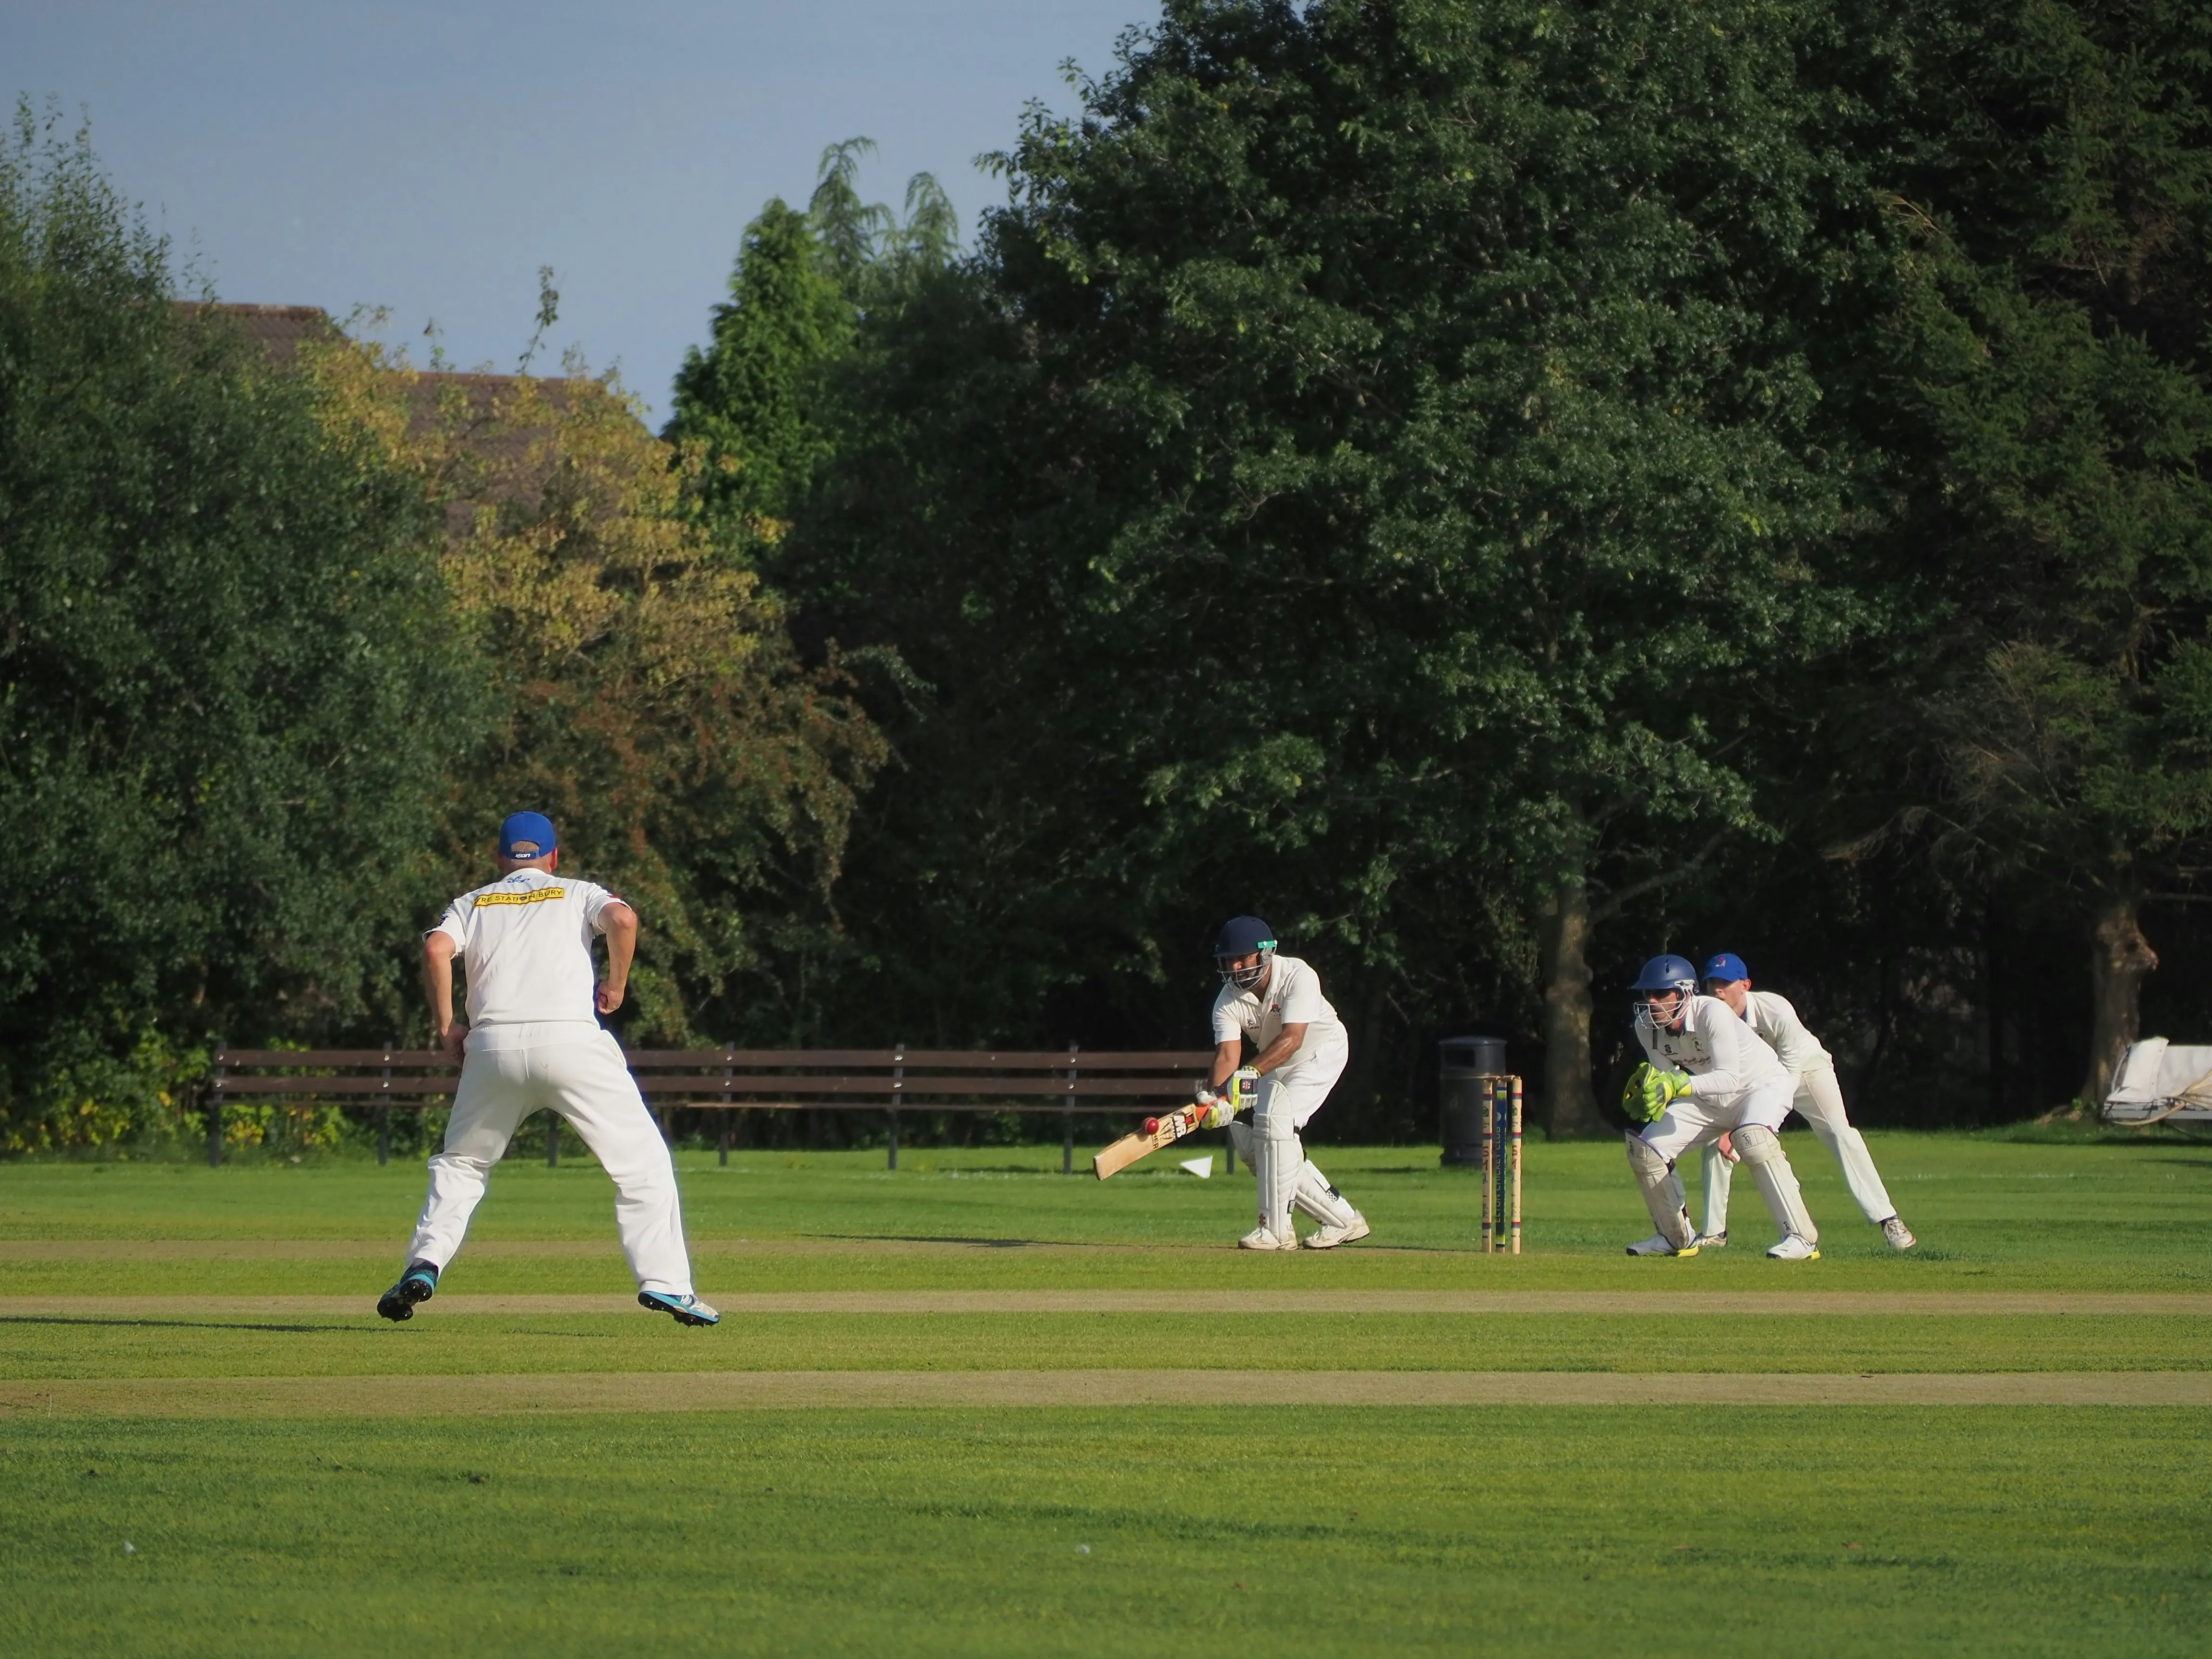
(894, 1163)
(722, 1140)
(383, 1136)
(1067, 1140)
(215, 1134)
(552, 1140)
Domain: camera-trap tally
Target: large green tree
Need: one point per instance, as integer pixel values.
(1384, 428)
(228, 691)
(2048, 412)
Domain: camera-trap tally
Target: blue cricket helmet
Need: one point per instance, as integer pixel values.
(1667, 974)
(1662, 974)
(1727, 967)
(1240, 937)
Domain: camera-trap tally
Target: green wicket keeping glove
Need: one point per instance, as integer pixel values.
(1651, 1092)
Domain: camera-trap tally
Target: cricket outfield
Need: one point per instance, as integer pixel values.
(976, 1406)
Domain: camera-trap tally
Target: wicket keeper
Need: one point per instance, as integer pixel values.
(1704, 1075)
(1274, 1003)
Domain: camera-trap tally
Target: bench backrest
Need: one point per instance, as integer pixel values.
(855, 1079)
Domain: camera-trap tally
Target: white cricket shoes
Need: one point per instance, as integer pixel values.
(1660, 1244)
(1713, 1241)
(1794, 1249)
(1328, 1237)
(1260, 1239)
(1898, 1234)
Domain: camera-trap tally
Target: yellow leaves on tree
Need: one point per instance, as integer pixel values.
(650, 699)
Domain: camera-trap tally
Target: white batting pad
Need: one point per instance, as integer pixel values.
(1777, 1182)
(1662, 1193)
(1314, 1195)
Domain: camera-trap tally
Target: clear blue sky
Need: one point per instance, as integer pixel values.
(430, 157)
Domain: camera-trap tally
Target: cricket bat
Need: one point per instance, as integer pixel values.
(1158, 1132)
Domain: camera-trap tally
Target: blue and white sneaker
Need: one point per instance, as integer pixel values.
(685, 1310)
(418, 1284)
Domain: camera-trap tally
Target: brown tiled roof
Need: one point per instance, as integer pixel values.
(277, 330)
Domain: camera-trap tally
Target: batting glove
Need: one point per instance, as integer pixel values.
(1243, 1089)
(1651, 1092)
(1216, 1112)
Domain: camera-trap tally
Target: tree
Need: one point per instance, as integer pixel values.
(760, 401)
(1391, 427)
(649, 697)
(229, 696)
(2054, 181)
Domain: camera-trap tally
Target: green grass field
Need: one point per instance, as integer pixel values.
(150, 1522)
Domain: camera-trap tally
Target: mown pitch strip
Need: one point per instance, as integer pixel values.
(492, 1394)
(1838, 1303)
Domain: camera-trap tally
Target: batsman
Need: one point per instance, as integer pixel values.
(1706, 1074)
(1274, 1003)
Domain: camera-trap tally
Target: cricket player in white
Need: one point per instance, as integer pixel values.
(1274, 1002)
(533, 1043)
(1705, 1074)
(1819, 1100)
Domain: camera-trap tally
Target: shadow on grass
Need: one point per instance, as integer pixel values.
(177, 1324)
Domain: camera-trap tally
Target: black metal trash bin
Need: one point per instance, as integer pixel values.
(1465, 1062)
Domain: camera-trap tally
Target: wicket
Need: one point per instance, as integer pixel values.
(1501, 1176)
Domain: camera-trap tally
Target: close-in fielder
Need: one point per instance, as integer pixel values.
(1705, 1074)
(1819, 1100)
(533, 1043)
(1274, 1002)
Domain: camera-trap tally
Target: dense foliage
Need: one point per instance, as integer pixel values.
(1498, 489)
(228, 691)
(1501, 489)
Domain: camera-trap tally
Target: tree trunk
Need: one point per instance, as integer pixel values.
(1563, 927)
(2120, 958)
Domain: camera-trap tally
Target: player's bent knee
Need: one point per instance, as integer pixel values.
(1758, 1144)
(1649, 1163)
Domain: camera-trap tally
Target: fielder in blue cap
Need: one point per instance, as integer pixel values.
(1819, 1100)
(533, 1042)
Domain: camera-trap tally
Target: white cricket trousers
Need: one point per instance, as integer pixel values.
(586, 1082)
(1285, 1176)
(1819, 1101)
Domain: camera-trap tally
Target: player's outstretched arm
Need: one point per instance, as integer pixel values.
(620, 922)
(445, 1031)
(1227, 1057)
(1277, 1053)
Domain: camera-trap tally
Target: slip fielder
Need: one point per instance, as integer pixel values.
(1819, 1100)
(532, 1042)
(1705, 1074)
(1274, 1002)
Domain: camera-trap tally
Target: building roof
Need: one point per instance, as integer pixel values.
(277, 330)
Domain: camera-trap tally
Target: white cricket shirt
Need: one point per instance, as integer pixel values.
(1721, 1054)
(1779, 1026)
(526, 943)
(1290, 995)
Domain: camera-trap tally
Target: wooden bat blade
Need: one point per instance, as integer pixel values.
(1124, 1152)
(1165, 1132)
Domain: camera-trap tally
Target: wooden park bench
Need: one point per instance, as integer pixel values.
(732, 1080)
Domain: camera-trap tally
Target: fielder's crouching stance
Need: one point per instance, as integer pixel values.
(1706, 1074)
(533, 1043)
(1819, 1100)
(1275, 1002)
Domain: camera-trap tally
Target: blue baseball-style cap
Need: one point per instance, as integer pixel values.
(526, 836)
(1727, 967)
